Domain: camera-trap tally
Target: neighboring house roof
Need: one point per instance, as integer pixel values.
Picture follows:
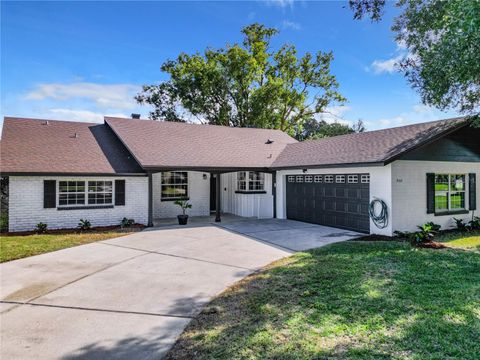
(128, 146)
(163, 144)
(379, 147)
(48, 146)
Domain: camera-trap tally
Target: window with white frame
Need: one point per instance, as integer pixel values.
(365, 178)
(71, 193)
(100, 192)
(449, 192)
(250, 181)
(174, 185)
(352, 179)
(328, 178)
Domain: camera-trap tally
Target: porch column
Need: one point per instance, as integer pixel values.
(274, 193)
(217, 198)
(150, 199)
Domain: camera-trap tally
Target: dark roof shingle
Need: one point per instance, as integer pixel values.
(50, 146)
(164, 144)
(369, 147)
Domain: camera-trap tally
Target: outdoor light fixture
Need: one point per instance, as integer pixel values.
(204, 176)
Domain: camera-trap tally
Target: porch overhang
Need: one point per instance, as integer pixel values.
(213, 171)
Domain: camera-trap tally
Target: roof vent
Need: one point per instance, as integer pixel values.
(135, 116)
(269, 141)
(45, 122)
(75, 135)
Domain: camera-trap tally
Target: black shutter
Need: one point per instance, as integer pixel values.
(119, 192)
(49, 193)
(472, 192)
(430, 193)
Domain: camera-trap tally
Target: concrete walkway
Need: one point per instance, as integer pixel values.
(130, 297)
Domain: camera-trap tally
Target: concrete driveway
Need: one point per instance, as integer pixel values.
(130, 297)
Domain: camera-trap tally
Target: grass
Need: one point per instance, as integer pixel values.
(16, 247)
(467, 240)
(350, 300)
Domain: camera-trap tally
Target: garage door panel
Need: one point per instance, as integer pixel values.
(342, 201)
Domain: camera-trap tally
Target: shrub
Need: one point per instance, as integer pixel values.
(84, 224)
(427, 233)
(460, 224)
(126, 222)
(184, 205)
(41, 228)
(474, 224)
(4, 222)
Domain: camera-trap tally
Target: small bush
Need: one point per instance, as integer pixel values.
(41, 228)
(84, 224)
(126, 222)
(427, 233)
(474, 224)
(4, 222)
(460, 224)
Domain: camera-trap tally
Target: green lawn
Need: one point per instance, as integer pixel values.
(16, 247)
(350, 300)
(467, 241)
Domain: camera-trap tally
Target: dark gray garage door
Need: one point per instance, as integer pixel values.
(338, 200)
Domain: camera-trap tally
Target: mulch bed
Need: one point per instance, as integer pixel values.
(431, 245)
(132, 228)
(376, 238)
(425, 245)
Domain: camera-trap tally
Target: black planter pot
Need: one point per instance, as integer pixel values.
(182, 219)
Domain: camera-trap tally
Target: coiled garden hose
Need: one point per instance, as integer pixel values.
(381, 219)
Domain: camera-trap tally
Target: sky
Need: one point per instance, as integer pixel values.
(80, 61)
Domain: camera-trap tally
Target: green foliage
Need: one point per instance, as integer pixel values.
(474, 224)
(41, 228)
(4, 221)
(245, 85)
(84, 224)
(426, 233)
(184, 205)
(443, 42)
(374, 9)
(125, 222)
(317, 129)
(460, 224)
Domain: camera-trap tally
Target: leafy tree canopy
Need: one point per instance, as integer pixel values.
(443, 39)
(245, 85)
(318, 129)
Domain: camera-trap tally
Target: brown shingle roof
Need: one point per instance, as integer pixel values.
(369, 147)
(33, 146)
(164, 144)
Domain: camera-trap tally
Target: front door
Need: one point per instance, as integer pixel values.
(213, 192)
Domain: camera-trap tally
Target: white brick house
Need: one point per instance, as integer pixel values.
(60, 172)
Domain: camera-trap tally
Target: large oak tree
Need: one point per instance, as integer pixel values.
(246, 85)
(443, 42)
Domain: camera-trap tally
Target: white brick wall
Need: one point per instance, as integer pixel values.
(198, 193)
(26, 204)
(410, 192)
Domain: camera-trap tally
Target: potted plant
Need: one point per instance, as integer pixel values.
(184, 204)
